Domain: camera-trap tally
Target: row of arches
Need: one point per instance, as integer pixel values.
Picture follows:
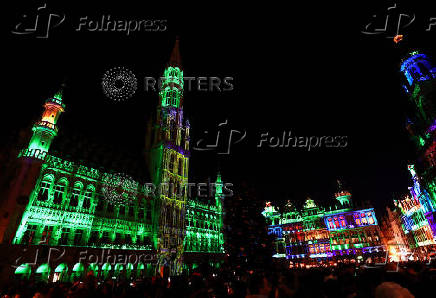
(56, 192)
(79, 197)
(70, 273)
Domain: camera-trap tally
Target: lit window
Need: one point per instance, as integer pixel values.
(76, 194)
(311, 249)
(59, 192)
(87, 199)
(336, 222)
(43, 191)
(342, 221)
(357, 219)
(370, 218)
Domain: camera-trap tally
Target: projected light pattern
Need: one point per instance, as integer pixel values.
(119, 83)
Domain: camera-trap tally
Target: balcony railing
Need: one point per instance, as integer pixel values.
(33, 153)
(47, 124)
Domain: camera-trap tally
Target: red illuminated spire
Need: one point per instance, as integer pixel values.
(175, 59)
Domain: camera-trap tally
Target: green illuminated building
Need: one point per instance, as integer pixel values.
(61, 203)
(204, 224)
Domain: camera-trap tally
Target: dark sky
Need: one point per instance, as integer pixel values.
(307, 69)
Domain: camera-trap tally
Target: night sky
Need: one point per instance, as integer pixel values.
(307, 69)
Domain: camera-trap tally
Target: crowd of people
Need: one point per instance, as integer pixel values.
(407, 280)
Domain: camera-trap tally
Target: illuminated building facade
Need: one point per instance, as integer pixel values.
(395, 239)
(418, 209)
(55, 202)
(320, 233)
(417, 212)
(204, 223)
(420, 76)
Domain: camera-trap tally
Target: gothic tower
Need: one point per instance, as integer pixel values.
(45, 130)
(419, 76)
(29, 164)
(169, 168)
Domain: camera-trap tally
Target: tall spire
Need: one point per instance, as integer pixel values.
(175, 59)
(46, 129)
(339, 185)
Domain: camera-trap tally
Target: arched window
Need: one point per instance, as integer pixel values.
(357, 219)
(23, 271)
(343, 224)
(370, 218)
(78, 271)
(42, 273)
(105, 270)
(44, 187)
(362, 215)
(336, 222)
(59, 191)
(77, 189)
(87, 196)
